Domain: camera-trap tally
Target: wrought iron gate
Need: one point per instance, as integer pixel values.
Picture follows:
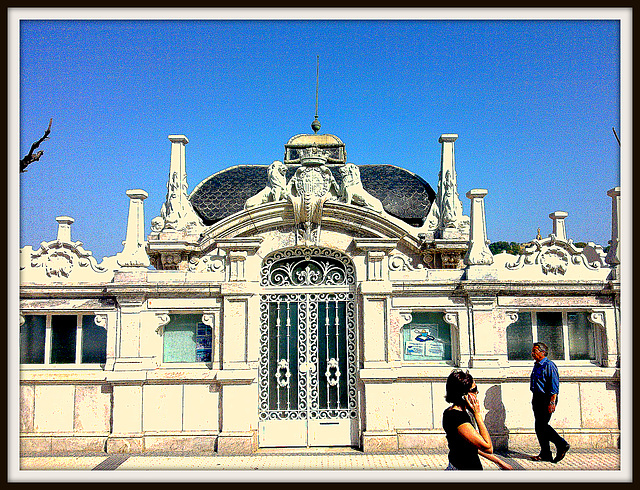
(307, 380)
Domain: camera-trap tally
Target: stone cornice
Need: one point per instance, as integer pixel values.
(556, 288)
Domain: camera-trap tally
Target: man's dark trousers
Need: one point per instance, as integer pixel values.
(544, 431)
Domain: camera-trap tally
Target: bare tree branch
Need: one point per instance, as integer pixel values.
(29, 158)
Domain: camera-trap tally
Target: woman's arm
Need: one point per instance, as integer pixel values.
(492, 457)
(468, 432)
(479, 438)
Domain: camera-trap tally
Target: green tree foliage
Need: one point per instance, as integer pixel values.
(512, 248)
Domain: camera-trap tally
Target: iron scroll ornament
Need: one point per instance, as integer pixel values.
(307, 267)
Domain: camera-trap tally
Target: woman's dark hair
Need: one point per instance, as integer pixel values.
(458, 385)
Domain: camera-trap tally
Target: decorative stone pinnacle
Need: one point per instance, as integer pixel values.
(559, 228)
(137, 194)
(178, 138)
(478, 252)
(177, 212)
(613, 256)
(445, 217)
(134, 254)
(64, 228)
(448, 138)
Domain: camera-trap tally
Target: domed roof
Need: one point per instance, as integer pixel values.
(403, 194)
(328, 144)
(306, 140)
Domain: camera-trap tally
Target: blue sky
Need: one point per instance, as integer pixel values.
(533, 103)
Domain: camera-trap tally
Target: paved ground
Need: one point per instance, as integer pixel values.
(266, 461)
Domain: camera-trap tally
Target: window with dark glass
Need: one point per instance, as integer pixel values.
(568, 335)
(60, 336)
(63, 339)
(32, 339)
(94, 341)
(520, 338)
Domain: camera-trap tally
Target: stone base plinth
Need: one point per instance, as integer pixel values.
(61, 444)
(125, 444)
(173, 443)
(379, 442)
(237, 442)
(421, 440)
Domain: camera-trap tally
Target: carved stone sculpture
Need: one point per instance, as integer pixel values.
(310, 187)
(352, 192)
(177, 213)
(276, 189)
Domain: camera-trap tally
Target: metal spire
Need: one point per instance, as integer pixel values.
(315, 125)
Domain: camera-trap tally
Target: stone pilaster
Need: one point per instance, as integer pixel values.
(129, 356)
(126, 435)
(241, 256)
(377, 256)
(488, 331)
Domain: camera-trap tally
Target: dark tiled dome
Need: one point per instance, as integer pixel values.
(403, 194)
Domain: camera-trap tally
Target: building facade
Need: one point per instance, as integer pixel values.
(310, 303)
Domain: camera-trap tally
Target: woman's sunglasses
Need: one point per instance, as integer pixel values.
(473, 390)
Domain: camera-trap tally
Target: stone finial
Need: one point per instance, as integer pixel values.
(613, 256)
(64, 228)
(134, 254)
(559, 228)
(478, 252)
(445, 216)
(177, 212)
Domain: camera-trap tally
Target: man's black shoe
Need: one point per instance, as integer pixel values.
(561, 453)
(540, 457)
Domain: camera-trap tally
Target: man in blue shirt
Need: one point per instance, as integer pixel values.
(545, 384)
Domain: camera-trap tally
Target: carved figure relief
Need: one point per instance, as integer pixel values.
(352, 192)
(449, 217)
(310, 187)
(554, 257)
(176, 212)
(57, 261)
(276, 189)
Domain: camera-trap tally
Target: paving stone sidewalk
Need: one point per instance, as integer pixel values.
(306, 459)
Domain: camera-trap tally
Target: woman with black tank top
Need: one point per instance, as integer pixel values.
(466, 444)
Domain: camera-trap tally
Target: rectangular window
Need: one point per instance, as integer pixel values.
(427, 337)
(581, 337)
(187, 339)
(550, 332)
(32, 338)
(568, 335)
(94, 341)
(62, 339)
(519, 338)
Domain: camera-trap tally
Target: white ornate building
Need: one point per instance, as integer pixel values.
(311, 302)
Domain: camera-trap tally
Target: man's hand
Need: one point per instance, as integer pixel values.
(552, 407)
